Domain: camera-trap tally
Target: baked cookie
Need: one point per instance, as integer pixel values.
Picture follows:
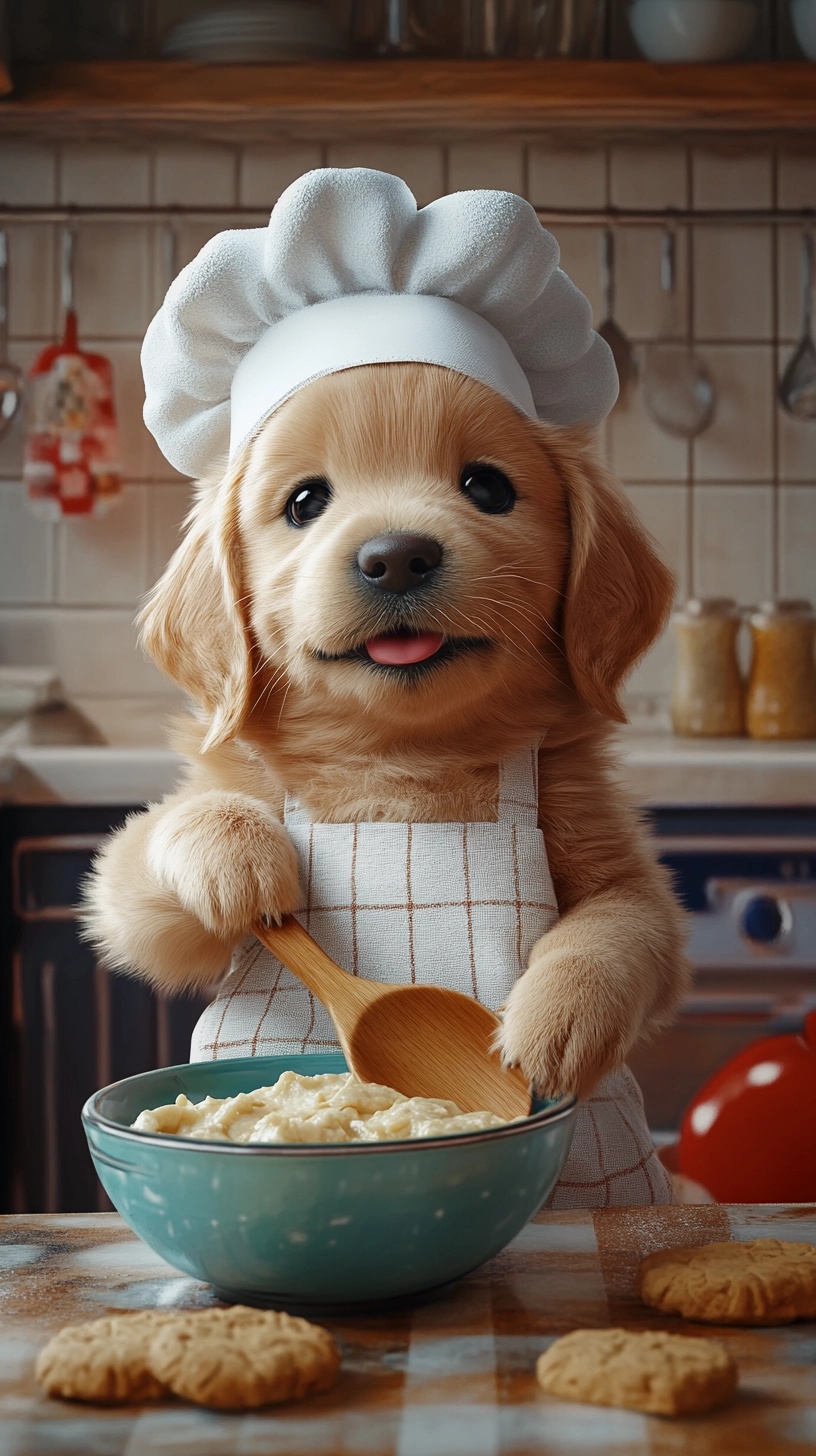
(666, 1375)
(763, 1282)
(104, 1360)
(237, 1358)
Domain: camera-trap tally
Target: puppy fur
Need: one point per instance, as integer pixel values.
(567, 590)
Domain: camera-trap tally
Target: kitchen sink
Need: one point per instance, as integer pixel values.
(90, 751)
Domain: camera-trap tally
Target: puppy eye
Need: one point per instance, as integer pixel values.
(488, 488)
(308, 502)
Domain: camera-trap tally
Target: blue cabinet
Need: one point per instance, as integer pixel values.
(67, 1025)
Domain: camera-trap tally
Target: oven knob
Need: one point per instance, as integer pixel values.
(762, 919)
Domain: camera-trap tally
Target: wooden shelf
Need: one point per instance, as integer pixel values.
(435, 100)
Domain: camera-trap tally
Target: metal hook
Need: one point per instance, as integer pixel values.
(807, 279)
(668, 261)
(68, 267)
(4, 258)
(608, 271)
(170, 249)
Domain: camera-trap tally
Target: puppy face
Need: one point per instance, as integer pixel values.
(405, 544)
(401, 553)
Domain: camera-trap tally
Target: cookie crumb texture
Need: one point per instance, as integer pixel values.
(762, 1282)
(240, 1358)
(665, 1375)
(104, 1361)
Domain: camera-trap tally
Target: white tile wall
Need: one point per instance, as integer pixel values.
(727, 178)
(789, 283)
(639, 451)
(797, 179)
(196, 176)
(733, 542)
(32, 282)
(486, 164)
(738, 445)
(797, 541)
(94, 651)
(733, 283)
(735, 512)
(102, 177)
(649, 176)
(567, 176)
(26, 550)
(28, 175)
(113, 284)
(102, 562)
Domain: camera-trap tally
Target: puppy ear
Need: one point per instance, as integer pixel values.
(619, 593)
(194, 624)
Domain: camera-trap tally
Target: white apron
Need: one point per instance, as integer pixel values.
(458, 905)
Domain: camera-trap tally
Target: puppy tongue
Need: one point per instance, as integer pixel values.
(397, 650)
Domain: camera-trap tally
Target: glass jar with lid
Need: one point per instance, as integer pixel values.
(707, 699)
(781, 701)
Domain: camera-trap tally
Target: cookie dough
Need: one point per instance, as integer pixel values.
(239, 1358)
(666, 1375)
(105, 1360)
(762, 1282)
(331, 1108)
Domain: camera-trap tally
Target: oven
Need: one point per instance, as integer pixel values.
(748, 881)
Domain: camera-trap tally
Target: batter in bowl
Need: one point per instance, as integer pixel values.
(331, 1108)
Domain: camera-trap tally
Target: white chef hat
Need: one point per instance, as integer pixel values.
(349, 272)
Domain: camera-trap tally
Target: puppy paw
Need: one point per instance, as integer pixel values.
(560, 1029)
(227, 859)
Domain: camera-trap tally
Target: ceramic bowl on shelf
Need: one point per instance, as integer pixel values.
(693, 30)
(803, 18)
(318, 1225)
(257, 31)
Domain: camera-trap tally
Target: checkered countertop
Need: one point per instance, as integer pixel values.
(450, 1378)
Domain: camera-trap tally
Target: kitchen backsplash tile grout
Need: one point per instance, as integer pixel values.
(738, 507)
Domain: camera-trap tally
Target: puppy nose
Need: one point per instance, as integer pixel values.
(399, 561)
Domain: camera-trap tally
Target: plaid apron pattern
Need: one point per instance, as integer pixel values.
(460, 905)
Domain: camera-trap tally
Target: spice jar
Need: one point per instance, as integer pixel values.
(781, 700)
(707, 693)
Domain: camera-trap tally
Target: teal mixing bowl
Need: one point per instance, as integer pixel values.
(318, 1225)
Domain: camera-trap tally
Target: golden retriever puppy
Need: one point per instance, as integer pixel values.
(542, 592)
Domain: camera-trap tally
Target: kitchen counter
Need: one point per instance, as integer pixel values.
(50, 760)
(664, 771)
(453, 1376)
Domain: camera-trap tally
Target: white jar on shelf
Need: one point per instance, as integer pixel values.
(803, 21)
(694, 30)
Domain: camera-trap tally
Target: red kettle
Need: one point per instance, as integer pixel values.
(749, 1136)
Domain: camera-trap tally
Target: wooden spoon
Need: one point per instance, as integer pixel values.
(425, 1041)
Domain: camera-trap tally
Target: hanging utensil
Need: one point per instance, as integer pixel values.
(678, 393)
(797, 388)
(622, 351)
(12, 379)
(170, 248)
(71, 455)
